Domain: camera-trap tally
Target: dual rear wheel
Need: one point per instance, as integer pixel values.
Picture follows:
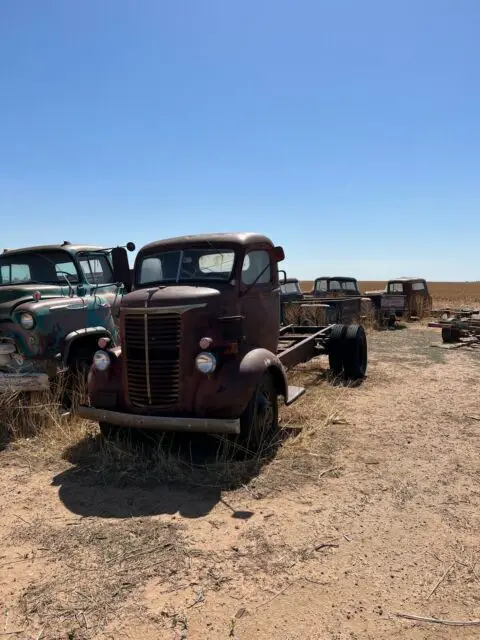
(347, 351)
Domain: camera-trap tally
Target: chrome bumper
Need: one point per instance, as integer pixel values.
(192, 425)
(17, 382)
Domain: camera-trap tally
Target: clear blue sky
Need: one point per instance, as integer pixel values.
(347, 130)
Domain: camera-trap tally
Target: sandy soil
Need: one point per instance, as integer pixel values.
(375, 512)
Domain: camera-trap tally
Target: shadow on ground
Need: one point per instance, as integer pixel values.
(184, 475)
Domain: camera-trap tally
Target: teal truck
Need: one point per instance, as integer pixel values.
(56, 302)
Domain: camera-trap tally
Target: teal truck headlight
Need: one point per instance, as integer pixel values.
(27, 321)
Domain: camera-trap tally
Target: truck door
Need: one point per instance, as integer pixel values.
(101, 291)
(260, 300)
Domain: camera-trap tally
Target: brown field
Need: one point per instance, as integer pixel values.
(443, 293)
(368, 509)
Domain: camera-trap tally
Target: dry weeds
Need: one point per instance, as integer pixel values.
(97, 569)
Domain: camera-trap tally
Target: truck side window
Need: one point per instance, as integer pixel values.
(321, 285)
(395, 287)
(96, 268)
(15, 273)
(254, 264)
(62, 268)
(418, 286)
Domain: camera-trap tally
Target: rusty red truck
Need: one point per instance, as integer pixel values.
(201, 345)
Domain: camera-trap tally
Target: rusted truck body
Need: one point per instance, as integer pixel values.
(55, 302)
(333, 299)
(201, 347)
(404, 297)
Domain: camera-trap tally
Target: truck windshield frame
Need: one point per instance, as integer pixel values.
(185, 265)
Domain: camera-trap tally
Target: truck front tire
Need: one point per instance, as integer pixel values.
(259, 421)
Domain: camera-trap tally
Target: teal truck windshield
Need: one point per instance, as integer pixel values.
(185, 265)
(49, 267)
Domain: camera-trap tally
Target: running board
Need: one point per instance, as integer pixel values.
(294, 393)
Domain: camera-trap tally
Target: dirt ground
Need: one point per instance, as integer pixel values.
(373, 510)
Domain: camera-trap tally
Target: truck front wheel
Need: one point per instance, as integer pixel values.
(259, 421)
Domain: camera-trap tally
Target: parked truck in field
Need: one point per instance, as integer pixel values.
(333, 299)
(56, 301)
(335, 286)
(290, 290)
(405, 297)
(201, 347)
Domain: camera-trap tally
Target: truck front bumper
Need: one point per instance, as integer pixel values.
(17, 382)
(159, 423)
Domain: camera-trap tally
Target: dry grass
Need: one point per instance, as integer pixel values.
(40, 428)
(97, 569)
(100, 567)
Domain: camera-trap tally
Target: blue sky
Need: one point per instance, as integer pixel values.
(347, 131)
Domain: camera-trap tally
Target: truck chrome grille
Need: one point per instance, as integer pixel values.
(152, 352)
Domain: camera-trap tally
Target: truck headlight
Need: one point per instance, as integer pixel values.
(27, 321)
(206, 362)
(101, 360)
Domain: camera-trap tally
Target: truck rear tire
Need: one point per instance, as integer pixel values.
(335, 349)
(259, 421)
(355, 354)
(450, 335)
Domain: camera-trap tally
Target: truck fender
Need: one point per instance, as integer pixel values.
(256, 363)
(80, 334)
(238, 379)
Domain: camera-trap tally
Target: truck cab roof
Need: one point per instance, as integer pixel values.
(243, 239)
(406, 279)
(343, 278)
(66, 246)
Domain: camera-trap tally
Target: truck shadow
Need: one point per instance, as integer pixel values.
(184, 475)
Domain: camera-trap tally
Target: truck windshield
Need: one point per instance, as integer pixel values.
(347, 285)
(186, 265)
(49, 267)
(290, 287)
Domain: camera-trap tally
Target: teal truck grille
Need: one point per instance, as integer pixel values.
(152, 357)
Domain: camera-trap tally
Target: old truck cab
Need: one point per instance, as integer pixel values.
(335, 286)
(404, 297)
(199, 337)
(290, 290)
(55, 302)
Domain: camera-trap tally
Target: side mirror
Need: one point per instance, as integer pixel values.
(279, 254)
(284, 279)
(121, 267)
(130, 246)
(81, 290)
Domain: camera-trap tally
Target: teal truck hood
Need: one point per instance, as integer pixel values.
(11, 295)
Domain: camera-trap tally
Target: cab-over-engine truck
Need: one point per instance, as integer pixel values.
(201, 346)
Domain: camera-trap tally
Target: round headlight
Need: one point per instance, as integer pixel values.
(206, 362)
(101, 360)
(27, 321)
